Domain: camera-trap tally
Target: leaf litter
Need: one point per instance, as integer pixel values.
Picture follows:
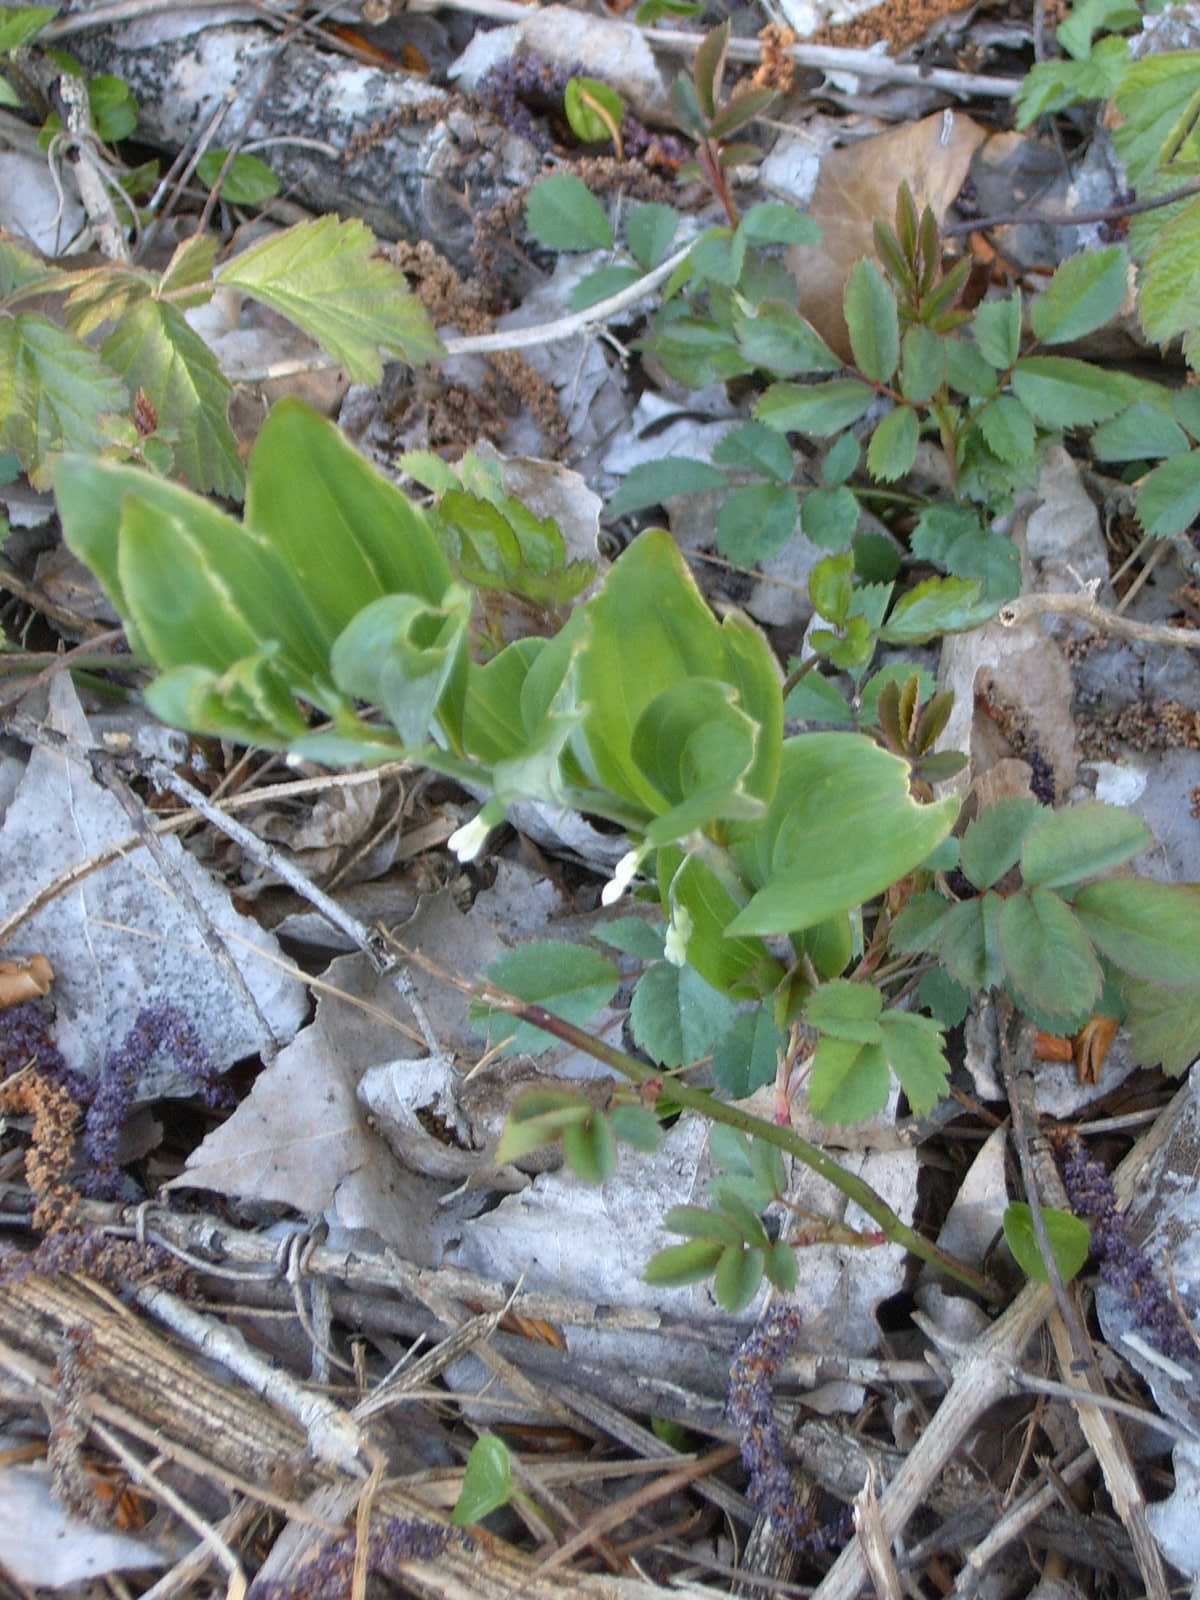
(353, 1125)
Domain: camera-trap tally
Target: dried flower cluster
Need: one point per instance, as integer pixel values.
(392, 1542)
(771, 1489)
(1124, 1265)
(158, 1029)
(55, 1117)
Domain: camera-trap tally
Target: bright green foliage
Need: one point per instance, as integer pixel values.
(326, 278)
(568, 980)
(1069, 1238)
(745, 1057)
(58, 394)
(676, 1017)
(563, 214)
(1043, 941)
(728, 1242)
(248, 182)
(487, 1482)
(859, 1042)
(593, 109)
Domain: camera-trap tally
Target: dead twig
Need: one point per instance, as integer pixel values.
(1084, 607)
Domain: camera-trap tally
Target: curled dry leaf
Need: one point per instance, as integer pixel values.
(24, 980)
(856, 186)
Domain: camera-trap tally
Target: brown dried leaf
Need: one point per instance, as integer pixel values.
(857, 185)
(24, 980)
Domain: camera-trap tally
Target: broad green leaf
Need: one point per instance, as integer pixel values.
(676, 1017)
(1169, 281)
(636, 1126)
(1061, 392)
(399, 653)
(835, 791)
(740, 968)
(1048, 960)
(249, 181)
(922, 365)
(191, 267)
(326, 278)
(20, 268)
(818, 699)
(943, 997)
(1156, 100)
(584, 101)
(1087, 291)
(849, 1082)
(113, 107)
(539, 1118)
(1068, 1237)
(916, 1054)
(250, 702)
(102, 295)
(940, 528)
(1164, 1026)
(1080, 842)
(1143, 433)
(682, 1264)
(829, 517)
(746, 1056)
(781, 1268)
(709, 68)
(1008, 428)
(696, 745)
(590, 1150)
(649, 232)
(939, 605)
(346, 533)
(633, 937)
(695, 1222)
(1091, 17)
(599, 285)
(55, 393)
(841, 461)
(756, 448)
(893, 447)
(1168, 499)
(185, 615)
(845, 1010)
(697, 352)
(155, 350)
(737, 1278)
(487, 1482)
(831, 588)
(655, 482)
(954, 933)
(717, 257)
(21, 24)
(562, 213)
(1149, 930)
(816, 408)
(772, 223)
(651, 629)
(568, 980)
(992, 843)
(92, 496)
(756, 522)
(997, 329)
(1052, 85)
(872, 321)
(968, 372)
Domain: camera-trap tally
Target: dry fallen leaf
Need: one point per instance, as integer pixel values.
(857, 186)
(24, 980)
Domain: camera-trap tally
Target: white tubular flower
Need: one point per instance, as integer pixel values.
(623, 875)
(469, 840)
(679, 931)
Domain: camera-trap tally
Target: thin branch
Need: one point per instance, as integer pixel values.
(1071, 219)
(811, 1155)
(1085, 608)
(824, 58)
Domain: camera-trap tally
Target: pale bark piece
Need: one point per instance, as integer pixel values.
(120, 941)
(43, 1544)
(428, 179)
(857, 186)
